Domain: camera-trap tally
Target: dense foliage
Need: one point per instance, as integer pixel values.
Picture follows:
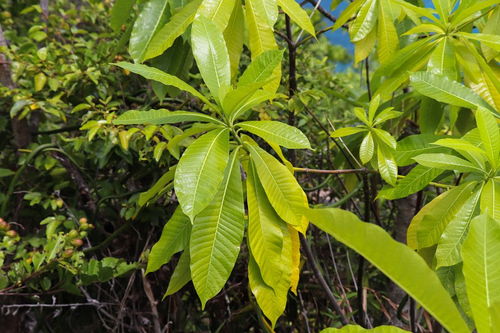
(208, 151)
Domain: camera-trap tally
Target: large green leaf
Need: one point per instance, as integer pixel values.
(217, 234)
(445, 90)
(446, 162)
(162, 77)
(218, 11)
(297, 14)
(162, 116)
(260, 27)
(482, 270)
(234, 34)
(277, 132)
(443, 60)
(428, 225)
(174, 238)
(360, 329)
(265, 237)
(281, 187)
(386, 32)
(365, 21)
(450, 243)
(212, 58)
(401, 264)
(147, 23)
(490, 135)
(200, 171)
(418, 178)
(178, 23)
(261, 68)
(181, 275)
(120, 13)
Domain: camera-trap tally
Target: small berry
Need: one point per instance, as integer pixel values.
(83, 220)
(4, 226)
(77, 242)
(73, 234)
(68, 253)
(83, 234)
(11, 233)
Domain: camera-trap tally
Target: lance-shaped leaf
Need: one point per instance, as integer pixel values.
(236, 100)
(367, 148)
(175, 27)
(280, 133)
(360, 329)
(450, 243)
(386, 165)
(212, 58)
(281, 187)
(174, 238)
(181, 275)
(491, 41)
(218, 11)
(446, 91)
(401, 264)
(446, 162)
(150, 19)
(265, 237)
(348, 13)
(234, 35)
(261, 68)
(415, 145)
(428, 225)
(217, 234)
(297, 14)
(162, 116)
(482, 270)
(162, 77)
(490, 135)
(443, 60)
(260, 26)
(257, 98)
(120, 13)
(490, 199)
(443, 7)
(365, 21)
(199, 172)
(157, 188)
(387, 35)
(417, 179)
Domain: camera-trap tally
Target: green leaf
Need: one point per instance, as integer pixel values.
(388, 40)
(428, 225)
(158, 187)
(297, 14)
(443, 8)
(490, 199)
(234, 34)
(181, 275)
(414, 276)
(482, 269)
(174, 238)
(367, 148)
(120, 13)
(347, 13)
(491, 41)
(365, 21)
(217, 234)
(277, 132)
(151, 17)
(6, 172)
(417, 179)
(446, 162)
(415, 145)
(212, 58)
(218, 11)
(175, 27)
(162, 116)
(490, 134)
(281, 187)
(443, 60)
(199, 172)
(464, 12)
(260, 27)
(237, 100)
(261, 68)
(450, 243)
(387, 165)
(265, 237)
(259, 97)
(341, 132)
(360, 329)
(446, 91)
(162, 77)
(384, 137)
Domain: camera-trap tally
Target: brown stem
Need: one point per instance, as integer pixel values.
(334, 172)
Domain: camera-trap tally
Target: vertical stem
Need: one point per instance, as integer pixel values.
(413, 326)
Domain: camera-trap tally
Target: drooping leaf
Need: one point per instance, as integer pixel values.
(281, 187)
(177, 24)
(450, 243)
(174, 238)
(167, 79)
(162, 116)
(150, 19)
(199, 172)
(297, 14)
(277, 132)
(217, 234)
(482, 270)
(181, 275)
(212, 58)
(417, 179)
(388, 255)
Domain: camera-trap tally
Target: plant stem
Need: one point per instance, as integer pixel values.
(334, 172)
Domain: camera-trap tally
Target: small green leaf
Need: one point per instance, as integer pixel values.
(261, 68)
(297, 14)
(181, 275)
(367, 148)
(417, 179)
(341, 132)
(446, 162)
(387, 165)
(277, 132)
(162, 116)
